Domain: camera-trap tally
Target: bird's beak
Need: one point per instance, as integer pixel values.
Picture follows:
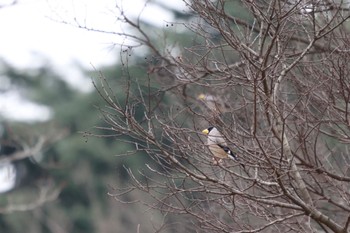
(206, 131)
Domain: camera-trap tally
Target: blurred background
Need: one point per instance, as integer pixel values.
(54, 177)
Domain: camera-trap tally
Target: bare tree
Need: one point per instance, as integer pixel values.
(276, 84)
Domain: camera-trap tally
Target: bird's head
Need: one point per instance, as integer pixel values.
(204, 97)
(207, 130)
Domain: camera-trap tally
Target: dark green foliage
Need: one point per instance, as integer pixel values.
(83, 224)
(4, 225)
(75, 195)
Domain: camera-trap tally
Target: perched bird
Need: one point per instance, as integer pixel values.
(217, 145)
(214, 103)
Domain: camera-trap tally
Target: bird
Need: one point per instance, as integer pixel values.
(214, 103)
(217, 145)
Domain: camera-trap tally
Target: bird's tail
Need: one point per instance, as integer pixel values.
(229, 153)
(232, 156)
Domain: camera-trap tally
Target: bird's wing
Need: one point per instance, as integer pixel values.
(228, 152)
(217, 151)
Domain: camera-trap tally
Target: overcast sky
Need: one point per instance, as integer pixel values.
(31, 35)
